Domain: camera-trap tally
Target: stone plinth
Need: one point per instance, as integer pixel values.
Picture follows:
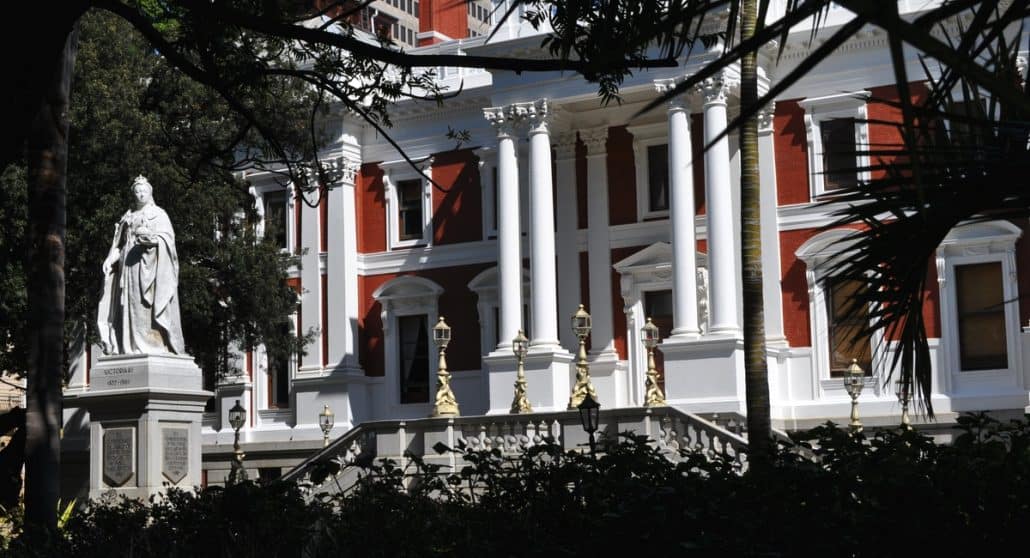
(144, 424)
(704, 374)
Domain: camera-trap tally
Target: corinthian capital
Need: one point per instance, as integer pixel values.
(595, 139)
(564, 145)
(765, 118)
(714, 90)
(539, 114)
(666, 86)
(507, 119)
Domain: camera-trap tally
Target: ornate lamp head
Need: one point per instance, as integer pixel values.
(520, 345)
(854, 379)
(326, 419)
(581, 323)
(237, 414)
(441, 333)
(649, 334)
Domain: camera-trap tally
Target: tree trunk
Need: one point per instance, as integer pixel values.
(47, 157)
(756, 371)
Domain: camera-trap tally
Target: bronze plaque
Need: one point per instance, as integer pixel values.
(118, 458)
(175, 453)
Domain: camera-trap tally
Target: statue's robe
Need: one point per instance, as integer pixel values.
(139, 311)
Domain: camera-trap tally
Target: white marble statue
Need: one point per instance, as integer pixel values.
(139, 311)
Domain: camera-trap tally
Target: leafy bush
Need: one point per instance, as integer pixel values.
(891, 493)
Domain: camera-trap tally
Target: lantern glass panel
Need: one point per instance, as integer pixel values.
(236, 415)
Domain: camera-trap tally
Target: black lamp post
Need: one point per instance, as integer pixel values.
(589, 413)
(237, 416)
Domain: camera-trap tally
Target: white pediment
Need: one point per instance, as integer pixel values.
(655, 257)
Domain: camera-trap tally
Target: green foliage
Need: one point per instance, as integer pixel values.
(892, 493)
(133, 114)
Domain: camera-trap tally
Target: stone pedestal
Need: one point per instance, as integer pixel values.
(704, 374)
(547, 372)
(144, 432)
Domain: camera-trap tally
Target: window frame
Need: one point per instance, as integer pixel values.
(260, 192)
(831, 107)
(645, 136)
(393, 174)
(976, 243)
(406, 295)
(819, 254)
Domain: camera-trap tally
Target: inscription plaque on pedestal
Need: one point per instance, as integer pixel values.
(175, 453)
(118, 459)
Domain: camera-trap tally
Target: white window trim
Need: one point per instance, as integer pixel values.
(259, 192)
(820, 109)
(819, 254)
(484, 285)
(407, 295)
(645, 136)
(992, 241)
(394, 173)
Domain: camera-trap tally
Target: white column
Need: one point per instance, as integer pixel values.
(681, 214)
(771, 293)
(341, 267)
(598, 246)
(541, 259)
(719, 200)
(569, 296)
(509, 256)
(311, 282)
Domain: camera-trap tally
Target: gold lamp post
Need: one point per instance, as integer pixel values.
(583, 387)
(653, 396)
(325, 421)
(520, 404)
(854, 381)
(904, 393)
(237, 416)
(446, 405)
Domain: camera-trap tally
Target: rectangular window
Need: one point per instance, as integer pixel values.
(275, 217)
(278, 382)
(839, 153)
(409, 212)
(845, 325)
(981, 317)
(658, 177)
(414, 359)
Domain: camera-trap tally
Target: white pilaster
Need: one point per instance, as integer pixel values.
(569, 296)
(598, 245)
(509, 257)
(719, 201)
(341, 266)
(310, 281)
(771, 292)
(542, 264)
(681, 215)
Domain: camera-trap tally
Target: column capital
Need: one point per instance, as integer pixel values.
(539, 114)
(333, 171)
(507, 119)
(564, 145)
(595, 140)
(765, 118)
(714, 90)
(664, 86)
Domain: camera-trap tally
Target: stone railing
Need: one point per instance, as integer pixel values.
(671, 430)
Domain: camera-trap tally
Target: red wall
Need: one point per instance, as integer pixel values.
(622, 178)
(457, 212)
(449, 17)
(370, 209)
(791, 147)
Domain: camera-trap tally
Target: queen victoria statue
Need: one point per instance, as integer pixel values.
(139, 310)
